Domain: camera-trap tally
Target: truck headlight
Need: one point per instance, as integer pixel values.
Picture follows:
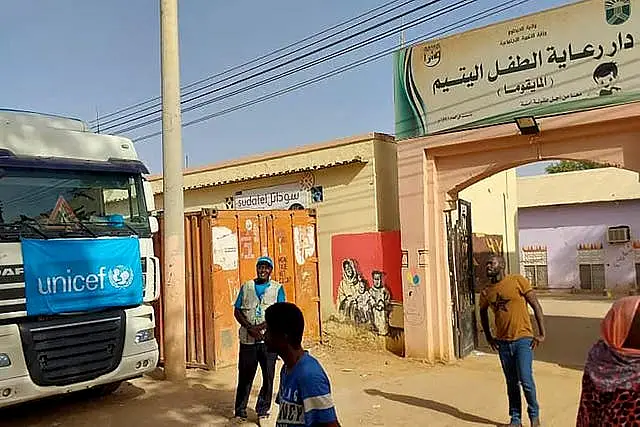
(145, 335)
(4, 360)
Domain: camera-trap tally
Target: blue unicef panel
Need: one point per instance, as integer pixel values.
(76, 275)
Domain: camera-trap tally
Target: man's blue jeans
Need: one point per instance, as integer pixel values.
(517, 363)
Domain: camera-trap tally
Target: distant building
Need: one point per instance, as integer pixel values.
(580, 229)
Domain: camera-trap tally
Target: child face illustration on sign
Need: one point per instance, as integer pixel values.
(605, 76)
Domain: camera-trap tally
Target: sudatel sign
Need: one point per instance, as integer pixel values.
(581, 56)
(289, 196)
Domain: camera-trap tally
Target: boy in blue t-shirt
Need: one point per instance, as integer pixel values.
(305, 392)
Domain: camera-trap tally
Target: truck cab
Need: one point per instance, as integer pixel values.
(77, 264)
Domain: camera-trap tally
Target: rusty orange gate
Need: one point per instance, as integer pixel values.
(221, 249)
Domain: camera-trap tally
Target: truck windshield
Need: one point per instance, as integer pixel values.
(59, 203)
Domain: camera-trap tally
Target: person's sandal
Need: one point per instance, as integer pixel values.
(239, 419)
(263, 419)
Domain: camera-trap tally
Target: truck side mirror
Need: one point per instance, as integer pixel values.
(154, 225)
(148, 196)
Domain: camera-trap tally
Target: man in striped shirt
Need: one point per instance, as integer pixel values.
(305, 392)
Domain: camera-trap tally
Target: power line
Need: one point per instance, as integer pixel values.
(373, 39)
(283, 64)
(372, 58)
(282, 49)
(294, 44)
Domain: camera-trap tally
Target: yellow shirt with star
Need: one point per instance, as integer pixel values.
(509, 306)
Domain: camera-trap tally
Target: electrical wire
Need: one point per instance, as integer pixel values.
(237, 67)
(293, 60)
(372, 58)
(307, 65)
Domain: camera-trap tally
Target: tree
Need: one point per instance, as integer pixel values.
(571, 165)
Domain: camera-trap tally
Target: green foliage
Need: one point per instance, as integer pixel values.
(571, 165)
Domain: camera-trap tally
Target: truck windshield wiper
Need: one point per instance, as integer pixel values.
(112, 223)
(87, 229)
(28, 222)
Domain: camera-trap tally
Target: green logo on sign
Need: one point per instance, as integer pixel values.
(617, 11)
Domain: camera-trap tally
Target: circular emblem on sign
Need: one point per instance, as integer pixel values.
(121, 276)
(307, 181)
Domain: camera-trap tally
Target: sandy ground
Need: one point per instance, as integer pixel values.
(371, 388)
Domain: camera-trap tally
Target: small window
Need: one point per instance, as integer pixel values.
(537, 275)
(592, 277)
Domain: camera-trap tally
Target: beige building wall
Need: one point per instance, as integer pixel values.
(386, 173)
(359, 180)
(494, 210)
(592, 185)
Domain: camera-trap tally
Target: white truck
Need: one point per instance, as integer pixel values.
(77, 266)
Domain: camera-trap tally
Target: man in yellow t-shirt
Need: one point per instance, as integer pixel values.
(508, 296)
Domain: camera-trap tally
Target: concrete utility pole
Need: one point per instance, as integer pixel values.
(173, 198)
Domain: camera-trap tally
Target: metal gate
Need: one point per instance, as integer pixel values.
(461, 275)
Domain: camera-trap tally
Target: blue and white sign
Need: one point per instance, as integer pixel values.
(77, 275)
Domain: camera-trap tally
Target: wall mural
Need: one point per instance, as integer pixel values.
(367, 278)
(360, 303)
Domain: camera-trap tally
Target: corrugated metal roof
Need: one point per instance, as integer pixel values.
(307, 158)
(244, 178)
(304, 149)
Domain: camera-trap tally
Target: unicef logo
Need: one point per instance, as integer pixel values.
(121, 276)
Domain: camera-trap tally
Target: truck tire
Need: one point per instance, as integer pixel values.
(105, 389)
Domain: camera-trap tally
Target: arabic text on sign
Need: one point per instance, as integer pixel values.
(523, 63)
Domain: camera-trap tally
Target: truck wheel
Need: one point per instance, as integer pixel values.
(105, 389)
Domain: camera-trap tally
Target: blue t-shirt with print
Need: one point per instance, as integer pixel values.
(305, 395)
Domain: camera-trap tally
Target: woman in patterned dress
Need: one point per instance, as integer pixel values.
(611, 381)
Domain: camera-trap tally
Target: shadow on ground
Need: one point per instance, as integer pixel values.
(567, 343)
(141, 403)
(433, 406)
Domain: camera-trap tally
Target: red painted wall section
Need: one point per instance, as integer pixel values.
(369, 252)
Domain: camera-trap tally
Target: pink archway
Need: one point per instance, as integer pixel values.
(432, 170)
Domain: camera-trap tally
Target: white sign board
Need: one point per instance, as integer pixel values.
(225, 248)
(288, 196)
(576, 57)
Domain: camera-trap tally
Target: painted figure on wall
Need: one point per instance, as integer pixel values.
(381, 303)
(363, 305)
(367, 281)
(348, 289)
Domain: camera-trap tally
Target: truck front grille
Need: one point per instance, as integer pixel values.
(73, 349)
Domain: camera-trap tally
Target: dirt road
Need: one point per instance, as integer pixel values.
(370, 388)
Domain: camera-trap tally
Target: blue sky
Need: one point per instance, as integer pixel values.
(76, 57)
